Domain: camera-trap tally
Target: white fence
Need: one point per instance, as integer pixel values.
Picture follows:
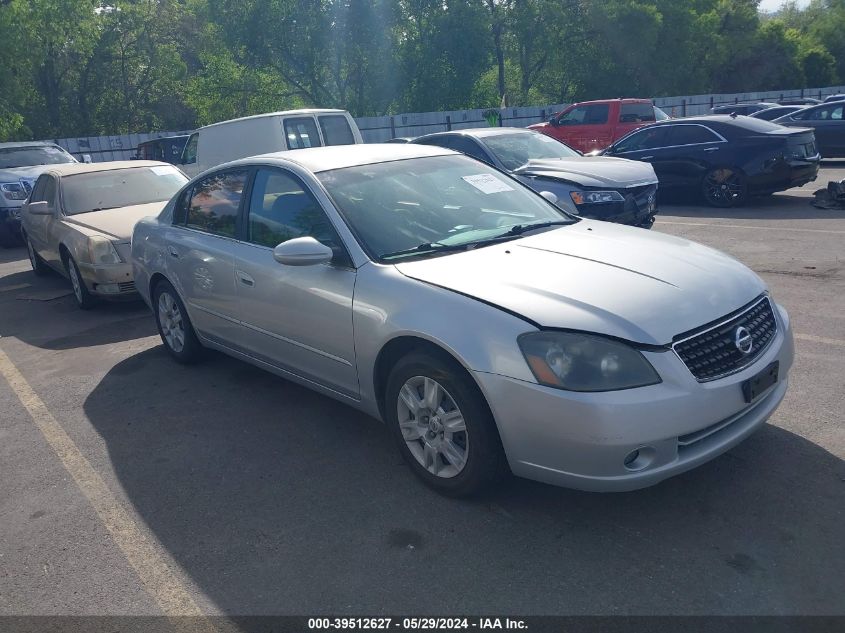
(382, 128)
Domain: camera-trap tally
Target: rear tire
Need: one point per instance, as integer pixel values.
(442, 425)
(84, 299)
(174, 326)
(724, 187)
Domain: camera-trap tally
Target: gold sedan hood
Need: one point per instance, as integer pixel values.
(115, 223)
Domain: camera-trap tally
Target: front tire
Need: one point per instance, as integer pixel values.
(442, 425)
(724, 187)
(84, 299)
(174, 326)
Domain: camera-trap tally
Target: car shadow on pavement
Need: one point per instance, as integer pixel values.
(12, 254)
(28, 302)
(277, 500)
(783, 206)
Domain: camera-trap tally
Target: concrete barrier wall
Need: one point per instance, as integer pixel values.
(382, 128)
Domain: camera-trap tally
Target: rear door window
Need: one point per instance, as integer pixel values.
(636, 113)
(336, 130)
(215, 201)
(301, 132)
(691, 135)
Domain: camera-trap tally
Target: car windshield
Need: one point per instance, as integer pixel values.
(11, 157)
(423, 205)
(515, 150)
(95, 191)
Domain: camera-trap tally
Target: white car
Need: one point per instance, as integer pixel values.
(486, 327)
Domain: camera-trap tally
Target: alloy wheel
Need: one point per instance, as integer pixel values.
(75, 281)
(171, 322)
(433, 426)
(724, 187)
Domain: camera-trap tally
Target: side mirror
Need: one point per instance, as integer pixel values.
(39, 208)
(548, 195)
(553, 121)
(302, 251)
(86, 158)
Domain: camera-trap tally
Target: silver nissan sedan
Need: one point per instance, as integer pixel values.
(488, 329)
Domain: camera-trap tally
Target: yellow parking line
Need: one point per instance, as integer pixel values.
(748, 226)
(820, 339)
(152, 566)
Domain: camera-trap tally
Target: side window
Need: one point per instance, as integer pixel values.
(301, 132)
(833, 113)
(691, 135)
(37, 194)
(189, 156)
(636, 113)
(586, 115)
(214, 202)
(280, 209)
(49, 191)
(336, 130)
(469, 147)
(180, 210)
(647, 138)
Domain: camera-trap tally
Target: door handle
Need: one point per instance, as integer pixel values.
(712, 149)
(245, 279)
(173, 252)
(646, 157)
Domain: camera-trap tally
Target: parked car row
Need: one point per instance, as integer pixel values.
(460, 300)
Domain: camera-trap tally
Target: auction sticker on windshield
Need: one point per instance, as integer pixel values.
(487, 183)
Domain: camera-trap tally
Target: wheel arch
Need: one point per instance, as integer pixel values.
(397, 348)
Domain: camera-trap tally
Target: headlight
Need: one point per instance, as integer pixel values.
(13, 191)
(596, 197)
(581, 362)
(102, 251)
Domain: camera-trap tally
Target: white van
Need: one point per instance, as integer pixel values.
(264, 133)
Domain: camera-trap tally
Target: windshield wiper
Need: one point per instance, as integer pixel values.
(428, 247)
(519, 229)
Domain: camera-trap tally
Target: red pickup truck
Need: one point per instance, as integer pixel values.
(591, 125)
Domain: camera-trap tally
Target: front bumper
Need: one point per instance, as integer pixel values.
(582, 440)
(638, 208)
(109, 281)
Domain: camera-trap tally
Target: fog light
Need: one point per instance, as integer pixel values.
(108, 289)
(640, 458)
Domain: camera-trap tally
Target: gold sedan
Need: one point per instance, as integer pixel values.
(79, 220)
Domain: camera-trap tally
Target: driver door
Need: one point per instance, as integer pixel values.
(296, 318)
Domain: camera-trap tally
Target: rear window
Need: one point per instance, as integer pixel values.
(301, 132)
(636, 113)
(336, 130)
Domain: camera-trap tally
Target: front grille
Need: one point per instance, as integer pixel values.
(127, 286)
(714, 352)
(27, 185)
(640, 195)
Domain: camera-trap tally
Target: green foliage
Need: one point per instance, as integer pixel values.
(86, 67)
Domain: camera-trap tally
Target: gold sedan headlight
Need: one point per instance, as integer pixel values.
(102, 251)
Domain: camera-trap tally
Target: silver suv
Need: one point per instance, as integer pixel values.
(20, 166)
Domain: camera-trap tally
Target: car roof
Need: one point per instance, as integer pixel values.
(280, 113)
(29, 144)
(72, 169)
(722, 122)
(318, 159)
(620, 99)
(481, 132)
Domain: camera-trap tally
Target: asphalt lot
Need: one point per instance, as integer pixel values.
(132, 485)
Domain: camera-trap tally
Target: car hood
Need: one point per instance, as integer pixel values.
(115, 223)
(592, 171)
(629, 283)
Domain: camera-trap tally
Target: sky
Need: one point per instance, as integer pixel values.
(773, 5)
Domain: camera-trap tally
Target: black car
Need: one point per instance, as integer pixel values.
(827, 121)
(600, 188)
(770, 114)
(725, 158)
(167, 149)
(742, 108)
(839, 97)
(799, 101)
